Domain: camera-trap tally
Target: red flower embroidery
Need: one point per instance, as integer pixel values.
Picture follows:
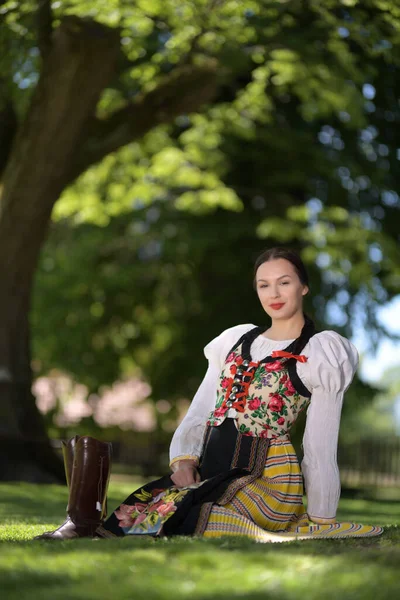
(274, 366)
(156, 506)
(290, 389)
(225, 382)
(276, 403)
(162, 508)
(125, 513)
(219, 412)
(281, 420)
(283, 379)
(139, 519)
(255, 403)
(166, 508)
(230, 357)
(264, 434)
(232, 369)
(238, 360)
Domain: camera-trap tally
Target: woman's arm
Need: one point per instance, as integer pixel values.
(319, 465)
(186, 444)
(332, 363)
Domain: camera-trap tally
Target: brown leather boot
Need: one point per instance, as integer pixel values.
(88, 490)
(68, 450)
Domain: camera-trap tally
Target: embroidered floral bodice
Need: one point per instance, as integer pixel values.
(331, 363)
(262, 393)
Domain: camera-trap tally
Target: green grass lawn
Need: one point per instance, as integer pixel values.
(224, 569)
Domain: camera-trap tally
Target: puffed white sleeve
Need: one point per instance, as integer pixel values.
(332, 362)
(188, 438)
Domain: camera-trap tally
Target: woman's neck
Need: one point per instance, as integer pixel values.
(288, 329)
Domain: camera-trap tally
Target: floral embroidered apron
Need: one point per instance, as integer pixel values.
(264, 398)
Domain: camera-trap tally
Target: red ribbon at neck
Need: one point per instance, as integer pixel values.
(283, 354)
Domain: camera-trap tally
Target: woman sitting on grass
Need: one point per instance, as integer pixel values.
(234, 469)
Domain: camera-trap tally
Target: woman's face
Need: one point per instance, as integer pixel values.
(279, 289)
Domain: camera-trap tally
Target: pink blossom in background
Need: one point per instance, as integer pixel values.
(163, 406)
(75, 408)
(123, 405)
(61, 390)
(46, 395)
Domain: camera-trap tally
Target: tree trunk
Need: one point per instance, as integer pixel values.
(78, 66)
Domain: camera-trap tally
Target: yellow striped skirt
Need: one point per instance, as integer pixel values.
(271, 507)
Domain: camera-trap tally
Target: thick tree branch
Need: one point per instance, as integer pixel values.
(80, 65)
(8, 117)
(8, 129)
(44, 23)
(184, 91)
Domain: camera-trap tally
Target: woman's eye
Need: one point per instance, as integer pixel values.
(263, 285)
(284, 282)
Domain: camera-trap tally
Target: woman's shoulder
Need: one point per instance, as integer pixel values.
(331, 345)
(220, 345)
(332, 361)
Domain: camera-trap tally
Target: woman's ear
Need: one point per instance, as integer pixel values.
(305, 291)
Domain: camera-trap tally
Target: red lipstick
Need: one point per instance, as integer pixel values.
(277, 306)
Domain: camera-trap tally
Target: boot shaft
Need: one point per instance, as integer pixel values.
(87, 467)
(68, 449)
(89, 481)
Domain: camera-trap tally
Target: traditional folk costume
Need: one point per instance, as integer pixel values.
(237, 430)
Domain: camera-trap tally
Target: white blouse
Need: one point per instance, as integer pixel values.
(332, 362)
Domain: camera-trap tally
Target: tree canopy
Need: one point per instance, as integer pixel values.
(298, 147)
(223, 127)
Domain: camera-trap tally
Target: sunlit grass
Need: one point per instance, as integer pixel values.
(365, 569)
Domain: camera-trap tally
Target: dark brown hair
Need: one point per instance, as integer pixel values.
(274, 254)
(292, 257)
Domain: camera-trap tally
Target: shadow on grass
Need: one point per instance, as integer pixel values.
(190, 568)
(202, 569)
(47, 503)
(371, 512)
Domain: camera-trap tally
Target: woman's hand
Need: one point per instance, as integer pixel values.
(185, 473)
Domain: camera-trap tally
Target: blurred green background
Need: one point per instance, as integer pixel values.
(149, 152)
